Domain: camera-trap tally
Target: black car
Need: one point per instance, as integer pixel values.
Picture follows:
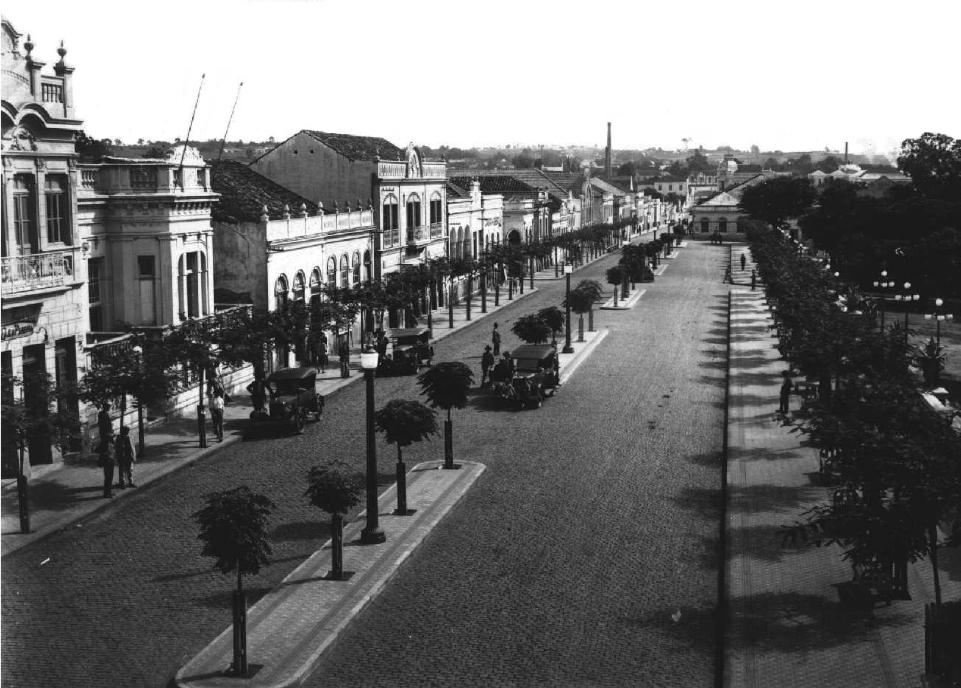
(532, 376)
(411, 350)
(292, 396)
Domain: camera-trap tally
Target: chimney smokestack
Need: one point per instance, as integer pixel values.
(845, 152)
(607, 157)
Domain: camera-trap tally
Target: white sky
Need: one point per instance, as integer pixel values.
(781, 74)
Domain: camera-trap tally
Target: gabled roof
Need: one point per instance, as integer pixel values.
(507, 185)
(533, 177)
(358, 147)
(244, 193)
(455, 191)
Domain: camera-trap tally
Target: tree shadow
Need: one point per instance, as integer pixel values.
(763, 542)
(224, 598)
(708, 459)
(774, 498)
(764, 454)
(303, 530)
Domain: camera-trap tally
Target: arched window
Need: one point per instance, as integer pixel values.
(280, 291)
(413, 216)
(465, 243)
(368, 273)
(436, 212)
(299, 287)
(390, 221)
(355, 265)
(332, 271)
(315, 283)
(705, 224)
(344, 271)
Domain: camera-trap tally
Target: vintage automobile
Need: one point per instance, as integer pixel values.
(534, 376)
(291, 396)
(411, 350)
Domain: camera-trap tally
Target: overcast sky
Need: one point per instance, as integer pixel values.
(779, 74)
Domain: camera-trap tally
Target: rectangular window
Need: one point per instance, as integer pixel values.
(201, 179)
(146, 272)
(391, 226)
(24, 216)
(435, 211)
(94, 277)
(58, 227)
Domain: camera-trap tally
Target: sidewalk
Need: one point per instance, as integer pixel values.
(65, 492)
(785, 626)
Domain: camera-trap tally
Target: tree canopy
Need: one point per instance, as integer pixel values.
(933, 162)
(778, 199)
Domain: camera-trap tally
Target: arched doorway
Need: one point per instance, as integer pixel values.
(514, 238)
(722, 225)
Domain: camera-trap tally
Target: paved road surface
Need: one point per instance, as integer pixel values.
(595, 522)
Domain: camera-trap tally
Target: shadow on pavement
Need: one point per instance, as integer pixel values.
(303, 530)
(772, 498)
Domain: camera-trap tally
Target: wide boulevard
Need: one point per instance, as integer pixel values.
(587, 554)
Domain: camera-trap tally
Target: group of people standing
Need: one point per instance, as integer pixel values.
(114, 452)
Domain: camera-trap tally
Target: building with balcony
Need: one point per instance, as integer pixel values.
(408, 193)
(43, 274)
(145, 230)
(475, 220)
(274, 246)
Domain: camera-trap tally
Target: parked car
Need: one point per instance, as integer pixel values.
(534, 376)
(291, 397)
(411, 350)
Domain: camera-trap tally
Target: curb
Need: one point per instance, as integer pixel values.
(624, 304)
(581, 354)
(331, 614)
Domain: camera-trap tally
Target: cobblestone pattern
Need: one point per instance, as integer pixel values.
(594, 524)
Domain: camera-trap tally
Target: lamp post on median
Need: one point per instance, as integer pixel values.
(568, 349)
(372, 532)
(883, 284)
(907, 298)
(138, 350)
(938, 316)
(624, 289)
(23, 495)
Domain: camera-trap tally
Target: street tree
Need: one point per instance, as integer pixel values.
(933, 161)
(554, 317)
(446, 385)
(532, 328)
(234, 529)
(335, 487)
(404, 422)
(775, 200)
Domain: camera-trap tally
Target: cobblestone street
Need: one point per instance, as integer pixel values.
(586, 554)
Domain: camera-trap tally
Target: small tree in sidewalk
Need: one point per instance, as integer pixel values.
(446, 385)
(233, 528)
(554, 317)
(405, 422)
(532, 328)
(335, 487)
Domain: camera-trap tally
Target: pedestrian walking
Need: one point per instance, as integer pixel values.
(104, 424)
(105, 460)
(123, 451)
(728, 278)
(344, 355)
(258, 394)
(786, 386)
(753, 279)
(743, 260)
(217, 415)
(496, 340)
(487, 361)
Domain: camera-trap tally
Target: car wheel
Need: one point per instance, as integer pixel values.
(300, 422)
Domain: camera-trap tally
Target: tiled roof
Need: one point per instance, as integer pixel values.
(455, 191)
(497, 184)
(244, 193)
(358, 147)
(568, 181)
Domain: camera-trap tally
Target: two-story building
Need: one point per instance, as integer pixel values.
(274, 246)
(43, 272)
(408, 193)
(475, 220)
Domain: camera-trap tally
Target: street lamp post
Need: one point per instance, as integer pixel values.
(883, 284)
(907, 297)
(624, 289)
(23, 497)
(141, 445)
(372, 532)
(938, 316)
(568, 349)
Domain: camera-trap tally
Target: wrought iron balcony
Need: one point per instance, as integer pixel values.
(37, 271)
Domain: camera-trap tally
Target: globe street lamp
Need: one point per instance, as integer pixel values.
(907, 297)
(568, 349)
(938, 316)
(372, 533)
(882, 285)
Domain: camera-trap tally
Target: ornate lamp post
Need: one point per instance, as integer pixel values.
(372, 533)
(624, 290)
(907, 297)
(140, 439)
(568, 349)
(883, 284)
(938, 316)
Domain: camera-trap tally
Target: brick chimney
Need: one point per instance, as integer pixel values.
(607, 156)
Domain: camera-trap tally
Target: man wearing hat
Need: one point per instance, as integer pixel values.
(487, 361)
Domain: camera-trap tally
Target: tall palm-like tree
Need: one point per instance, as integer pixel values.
(335, 487)
(405, 422)
(446, 385)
